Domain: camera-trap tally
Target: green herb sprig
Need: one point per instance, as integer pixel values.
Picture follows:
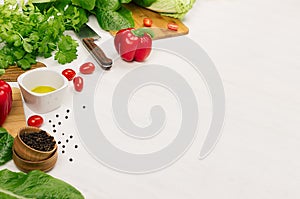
(26, 33)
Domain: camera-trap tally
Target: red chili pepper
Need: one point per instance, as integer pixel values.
(134, 44)
(5, 100)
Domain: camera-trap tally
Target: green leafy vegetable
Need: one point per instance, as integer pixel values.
(67, 50)
(75, 17)
(115, 20)
(36, 184)
(26, 33)
(172, 8)
(144, 3)
(6, 142)
(125, 1)
(85, 4)
(110, 13)
(111, 5)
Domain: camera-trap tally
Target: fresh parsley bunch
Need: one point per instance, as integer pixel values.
(26, 33)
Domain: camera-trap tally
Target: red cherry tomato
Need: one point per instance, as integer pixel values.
(35, 120)
(69, 73)
(78, 83)
(87, 68)
(147, 22)
(172, 26)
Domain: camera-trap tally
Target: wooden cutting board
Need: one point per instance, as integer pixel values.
(12, 73)
(16, 118)
(160, 23)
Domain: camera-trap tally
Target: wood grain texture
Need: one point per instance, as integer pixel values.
(160, 22)
(12, 73)
(16, 118)
(27, 166)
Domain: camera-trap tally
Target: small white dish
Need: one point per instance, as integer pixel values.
(42, 102)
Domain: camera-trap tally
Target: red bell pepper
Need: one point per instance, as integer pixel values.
(5, 100)
(134, 44)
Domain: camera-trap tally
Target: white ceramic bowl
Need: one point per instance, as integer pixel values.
(42, 102)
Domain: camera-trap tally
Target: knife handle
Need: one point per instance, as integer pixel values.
(97, 53)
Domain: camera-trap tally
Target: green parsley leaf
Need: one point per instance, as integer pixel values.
(67, 50)
(27, 47)
(24, 64)
(26, 32)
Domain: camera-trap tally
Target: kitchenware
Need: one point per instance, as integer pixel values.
(16, 118)
(88, 37)
(13, 72)
(28, 153)
(27, 165)
(159, 22)
(42, 102)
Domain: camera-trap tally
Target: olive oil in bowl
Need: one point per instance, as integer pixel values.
(43, 89)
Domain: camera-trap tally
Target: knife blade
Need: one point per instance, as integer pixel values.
(88, 37)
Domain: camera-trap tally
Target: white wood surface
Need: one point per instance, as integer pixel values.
(255, 46)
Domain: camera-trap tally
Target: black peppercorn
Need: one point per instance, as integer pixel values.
(38, 140)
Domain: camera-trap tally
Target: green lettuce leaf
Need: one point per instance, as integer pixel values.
(36, 184)
(6, 142)
(172, 8)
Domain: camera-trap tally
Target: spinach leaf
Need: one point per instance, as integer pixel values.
(85, 4)
(6, 142)
(115, 20)
(125, 1)
(35, 184)
(144, 3)
(112, 5)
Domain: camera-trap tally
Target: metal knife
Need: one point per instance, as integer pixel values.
(88, 37)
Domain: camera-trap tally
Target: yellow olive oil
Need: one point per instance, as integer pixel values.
(43, 89)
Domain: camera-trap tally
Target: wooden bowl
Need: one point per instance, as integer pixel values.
(28, 153)
(26, 165)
